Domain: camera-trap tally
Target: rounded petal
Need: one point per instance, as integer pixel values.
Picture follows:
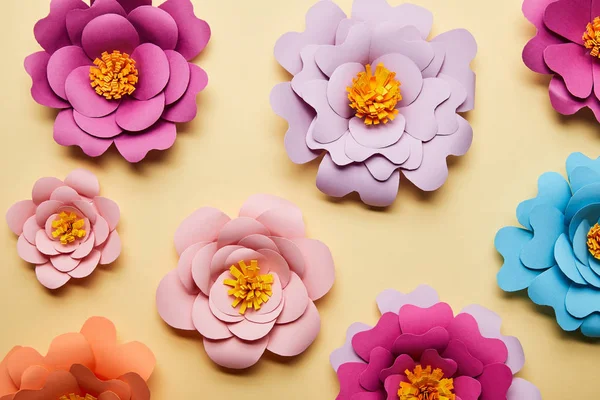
(50, 32)
(109, 210)
(68, 133)
(64, 262)
(237, 229)
(489, 351)
(567, 18)
(130, 5)
(407, 72)
(294, 338)
(296, 300)
(62, 63)
(206, 323)
(89, 383)
(282, 223)
(85, 248)
(257, 242)
(78, 19)
(194, 33)
(355, 48)
(30, 229)
(391, 300)
(402, 15)
(573, 63)
(107, 33)
(160, 136)
(50, 277)
(185, 109)
(328, 125)
(65, 195)
(18, 214)
(319, 269)
(251, 331)
(258, 204)
(201, 266)
(43, 188)
(337, 94)
(111, 249)
(235, 353)
(136, 115)
(36, 66)
(522, 389)
(101, 231)
(175, 303)
(29, 252)
(179, 80)
(34, 377)
(155, 25)
(418, 321)
(102, 127)
(153, 67)
(377, 136)
(84, 98)
(203, 225)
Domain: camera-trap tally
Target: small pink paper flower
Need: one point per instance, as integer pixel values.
(247, 284)
(376, 96)
(67, 229)
(566, 46)
(420, 350)
(119, 71)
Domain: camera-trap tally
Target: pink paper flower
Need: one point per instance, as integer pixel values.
(67, 229)
(420, 350)
(247, 284)
(567, 46)
(376, 96)
(119, 71)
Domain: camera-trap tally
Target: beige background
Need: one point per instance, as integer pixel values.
(235, 148)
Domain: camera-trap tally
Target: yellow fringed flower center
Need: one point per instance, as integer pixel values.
(425, 384)
(591, 37)
(69, 227)
(114, 75)
(374, 96)
(250, 289)
(73, 396)
(593, 241)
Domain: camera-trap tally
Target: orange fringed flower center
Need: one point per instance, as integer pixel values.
(425, 384)
(250, 289)
(374, 96)
(593, 241)
(69, 227)
(591, 37)
(114, 75)
(73, 396)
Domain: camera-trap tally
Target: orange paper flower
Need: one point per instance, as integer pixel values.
(88, 365)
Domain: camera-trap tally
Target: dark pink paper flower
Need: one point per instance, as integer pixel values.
(567, 46)
(379, 98)
(118, 70)
(67, 229)
(420, 350)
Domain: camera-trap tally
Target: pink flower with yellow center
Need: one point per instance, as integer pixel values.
(119, 72)
(247, 284)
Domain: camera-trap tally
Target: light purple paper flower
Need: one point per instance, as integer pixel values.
(142, 101)
(366, 154)
(560, 49)
(417, 332)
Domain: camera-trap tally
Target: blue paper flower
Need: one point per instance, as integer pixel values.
(556, 255)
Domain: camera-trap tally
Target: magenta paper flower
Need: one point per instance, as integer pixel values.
(567, 46)
(67, 229)
(247, 284)
(420, 350)
(118, 70)
(378, 98)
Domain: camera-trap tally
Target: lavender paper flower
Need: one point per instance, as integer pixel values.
(376, 96)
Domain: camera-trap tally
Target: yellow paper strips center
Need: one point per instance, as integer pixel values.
(425, 384)
(249, 288)
(77, 397)
(69, 227)
(593, 241)
(374, 97)
(591, 37)
(114, 75)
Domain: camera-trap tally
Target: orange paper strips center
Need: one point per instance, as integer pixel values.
(68, 227)
(593, 241)
(249, 288)
(426, 384)
(77, 397)
(591, 37)
(114, 75)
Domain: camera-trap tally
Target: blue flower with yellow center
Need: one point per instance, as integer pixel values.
(556, 254)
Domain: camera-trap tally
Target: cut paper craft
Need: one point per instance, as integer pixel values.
(67, 229)
(420, 350)
(566, 46)
(118, 71)
(374, 94)
(85, 365)
(556, 254)
(247, 284)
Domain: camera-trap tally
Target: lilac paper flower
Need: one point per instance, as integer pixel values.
(376, 96)
(118, 70)
(567, 46)
(420, 350)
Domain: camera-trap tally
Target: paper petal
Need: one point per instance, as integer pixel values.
(18, 214)
(154, 25)
(346, 354)
(111, 249)
(36, 66)
(185, 109)
(179, 79)
(235, 353)
(137, 115)
(79, 18)
(206, 323)
(160, 136)
(391, 300)
(107, 33)
(50, 277)
(294, 338)
(522, 389)
(61, 64)
(51, 32)
(153, 67)
(319, 271)
(201, 226)
(87, 265)
(175, 303)
(573, 63)
(67, 133)
(194, 33)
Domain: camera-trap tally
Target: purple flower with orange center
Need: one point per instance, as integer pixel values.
(118, 70)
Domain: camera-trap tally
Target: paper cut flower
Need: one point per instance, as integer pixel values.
(556, 255)
(88, 365)
(67, 229)
(566, 46)
(119, 72)
(378, 98)
(420, 350)
(247, 284)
